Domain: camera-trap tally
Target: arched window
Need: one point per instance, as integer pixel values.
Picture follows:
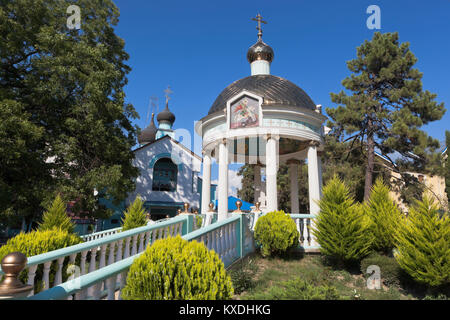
(165, 175)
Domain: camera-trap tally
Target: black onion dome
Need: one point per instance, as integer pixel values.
(274, 91)
(260, 51)
(166, 115)
(148, 134)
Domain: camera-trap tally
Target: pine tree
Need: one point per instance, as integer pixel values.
(56, 217)
(341, 228)
(135, 215)
(423, 244)
(388, 105)
(384, 215)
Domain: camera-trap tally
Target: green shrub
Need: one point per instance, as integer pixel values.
(391, 273)
(341, 228)
(38, 242)
(175, 269)
(384, 215)
(56, 217)
(298, 289)
(423, 248)
(276, 232)
(135, 215)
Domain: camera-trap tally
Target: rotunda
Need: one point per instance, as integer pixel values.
(266, 121)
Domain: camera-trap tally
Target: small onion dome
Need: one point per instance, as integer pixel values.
(166, 115)
(260, 51)
(148, 134)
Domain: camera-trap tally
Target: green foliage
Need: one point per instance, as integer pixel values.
(175, 269)
(387, 106)
(423, 244)
(242, 276)
(342, 229)
(384, 215)
(38, 242)
(135, 215)
(391, 273)
(64, 90)
(298, 289)
(56, 217)
(276, 232)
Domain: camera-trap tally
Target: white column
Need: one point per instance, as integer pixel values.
(319, 162)
(222, 209)
(206, 182)
(257, 181)
(271, 173)
(313, 178)
(293, 175)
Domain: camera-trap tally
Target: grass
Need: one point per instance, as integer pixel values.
(288, 277)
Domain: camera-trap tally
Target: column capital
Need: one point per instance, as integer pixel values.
(268, 136)
(314, 143)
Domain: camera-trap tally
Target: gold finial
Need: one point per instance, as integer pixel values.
(168, 93)
(195, 211)
(257, 207)
(179, 211)
(12, 264)
(238, 205)
(186, 208)
(211, 206)
(260, 20)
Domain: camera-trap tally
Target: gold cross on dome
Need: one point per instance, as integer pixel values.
(168, 93)
(260, 20)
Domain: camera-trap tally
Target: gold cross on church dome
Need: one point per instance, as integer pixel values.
(259, 19)
(168, 93)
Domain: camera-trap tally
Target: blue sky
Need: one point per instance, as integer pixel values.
(199, 47)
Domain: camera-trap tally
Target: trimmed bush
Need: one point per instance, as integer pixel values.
(38, 242)
(276, 232)
(384, 215)
(341, 228)
(391, 272)
(56, 217)
(175, 269)
(298, 289)
(423, 249)
(135, 215)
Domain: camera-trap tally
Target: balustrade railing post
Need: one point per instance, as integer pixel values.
(11, 287)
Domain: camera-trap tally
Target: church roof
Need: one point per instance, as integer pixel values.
(149, 133)
(169, 137)
(274, 90)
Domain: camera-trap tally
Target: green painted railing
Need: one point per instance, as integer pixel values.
(231, 239)
(227, 238)
(89, 256)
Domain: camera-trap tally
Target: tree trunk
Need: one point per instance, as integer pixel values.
(369, 167)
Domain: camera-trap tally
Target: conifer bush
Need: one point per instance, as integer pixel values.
(175, 269)
(276, 232)
(56, 217)
(135, 215)
(384, 215)
(38, 242)
(341, 228)
(423, 244)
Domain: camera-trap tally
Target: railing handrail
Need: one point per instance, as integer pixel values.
(73, 286)
(67, 251)
(302, 216)
(100, 232)
(197, 233)
(70, 287)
